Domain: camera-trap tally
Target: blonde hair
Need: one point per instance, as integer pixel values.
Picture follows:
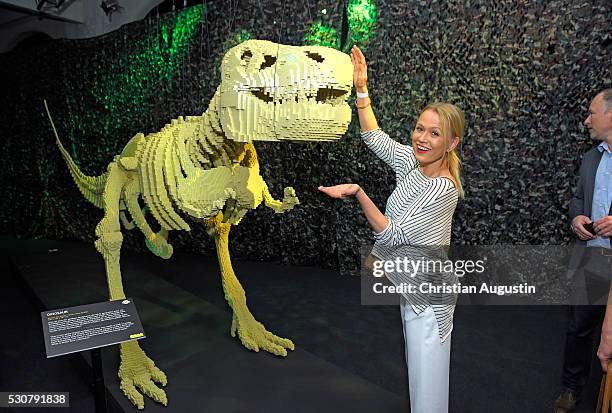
(453, 122)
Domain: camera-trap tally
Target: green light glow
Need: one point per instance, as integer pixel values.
(240, 36)
(152, 64)
(362, 16)
(322, 35)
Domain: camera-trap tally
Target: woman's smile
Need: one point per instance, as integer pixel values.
(421, 149)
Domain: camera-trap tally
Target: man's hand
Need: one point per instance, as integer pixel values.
(603, 226)
(578, 227)
(340, 191)
(604, 353)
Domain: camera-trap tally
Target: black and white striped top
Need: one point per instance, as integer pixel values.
(420, 212)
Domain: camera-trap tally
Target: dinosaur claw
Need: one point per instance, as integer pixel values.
(138, 374)
(254, 335)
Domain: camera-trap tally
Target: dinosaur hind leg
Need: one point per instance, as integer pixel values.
(156, 242)
(108, 231)
(251, 332)
(136, 371)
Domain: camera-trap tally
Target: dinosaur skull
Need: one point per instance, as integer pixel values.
(274, 92)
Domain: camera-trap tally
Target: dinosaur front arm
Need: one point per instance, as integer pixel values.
(289, 200)
(249, 159)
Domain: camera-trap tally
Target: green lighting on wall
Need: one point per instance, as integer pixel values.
(154, 61)
(240, 36)
(322, 35)
(362, 16)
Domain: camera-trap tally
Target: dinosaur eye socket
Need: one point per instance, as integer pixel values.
(269, 61)
(315, 56)
(246, 56)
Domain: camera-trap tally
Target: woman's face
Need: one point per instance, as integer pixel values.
(427, 140)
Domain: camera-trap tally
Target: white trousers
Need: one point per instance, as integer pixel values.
(428, 361)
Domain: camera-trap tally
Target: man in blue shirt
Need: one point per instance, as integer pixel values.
(591, 214)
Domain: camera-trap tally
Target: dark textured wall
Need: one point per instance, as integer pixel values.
(524, 72)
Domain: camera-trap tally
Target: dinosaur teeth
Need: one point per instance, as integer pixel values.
(327, 95)
(261, 94)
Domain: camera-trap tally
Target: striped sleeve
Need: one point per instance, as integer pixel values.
(399, 157)
(424, 221)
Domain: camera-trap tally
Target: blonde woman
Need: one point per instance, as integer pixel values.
(418, 212)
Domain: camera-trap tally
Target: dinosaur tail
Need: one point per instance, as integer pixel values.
(92, 187)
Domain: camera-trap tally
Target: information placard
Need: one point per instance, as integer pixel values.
(73, 329)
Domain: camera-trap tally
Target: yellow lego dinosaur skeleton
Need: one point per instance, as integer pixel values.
(206, 167)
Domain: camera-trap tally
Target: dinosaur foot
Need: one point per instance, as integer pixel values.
(138, 372)
(159, 246)
(254, 335)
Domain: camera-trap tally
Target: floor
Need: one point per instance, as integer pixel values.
(504, 359)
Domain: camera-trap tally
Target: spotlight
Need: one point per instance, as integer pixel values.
(56, 3)
(110, 7)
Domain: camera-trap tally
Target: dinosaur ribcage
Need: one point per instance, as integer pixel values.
(185, 165)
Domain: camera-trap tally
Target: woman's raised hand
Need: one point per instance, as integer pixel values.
(340, 191)
(360, 70)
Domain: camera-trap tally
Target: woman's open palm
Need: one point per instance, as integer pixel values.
(360, 69)
(340, 191)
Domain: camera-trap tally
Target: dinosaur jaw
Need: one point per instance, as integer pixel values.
(323, 117)
(296, 118)
(308, 111)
